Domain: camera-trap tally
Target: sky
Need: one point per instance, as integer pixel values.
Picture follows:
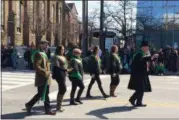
(96, 5)
(91, 5)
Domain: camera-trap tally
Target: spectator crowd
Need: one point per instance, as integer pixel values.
(168, 58)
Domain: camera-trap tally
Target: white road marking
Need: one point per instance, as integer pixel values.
(16, 80)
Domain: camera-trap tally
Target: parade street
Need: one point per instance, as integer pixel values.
(163, 102)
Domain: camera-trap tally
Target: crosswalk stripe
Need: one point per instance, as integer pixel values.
(15, 82)
(12, 87)
(12, 80)
(19, 74)
(18, 78)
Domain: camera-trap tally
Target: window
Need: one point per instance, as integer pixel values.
(53, 18)
(52, 14)
(43, 12)
(32, 14)
(18, 14)
(2, 15)
(59, 15)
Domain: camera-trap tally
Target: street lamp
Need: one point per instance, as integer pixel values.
(102, 42)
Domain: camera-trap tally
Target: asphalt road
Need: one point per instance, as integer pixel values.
(163, 102)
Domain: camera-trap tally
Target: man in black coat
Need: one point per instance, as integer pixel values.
(139, 80)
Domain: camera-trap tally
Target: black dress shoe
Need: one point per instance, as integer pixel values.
(106, 96)
(50, 113)
(140, 105)
(73, 103)
(89, 96)
(132, 102)
(28, 108)
(77, 100)
(60, 110)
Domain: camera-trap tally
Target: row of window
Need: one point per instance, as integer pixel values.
(32, 14)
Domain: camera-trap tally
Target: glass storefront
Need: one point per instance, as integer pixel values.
(158, 22)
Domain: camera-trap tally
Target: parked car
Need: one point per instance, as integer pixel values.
(21, 63)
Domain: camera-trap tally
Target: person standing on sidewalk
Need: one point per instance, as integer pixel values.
(139, 80)
(95, 68)
(115, 67)
(42, 79)
(59, 71)
(76, 76)
(14, 57)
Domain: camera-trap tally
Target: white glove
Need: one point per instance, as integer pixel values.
(114, 75)
(93, 76)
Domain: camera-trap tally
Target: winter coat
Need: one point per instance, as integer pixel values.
(115, 64)
(139, 79)
(42, 69)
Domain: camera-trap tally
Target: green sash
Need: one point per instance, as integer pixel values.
(44, 92)
(77, 74)
(117, 57)
(44, 55)
(141, 52)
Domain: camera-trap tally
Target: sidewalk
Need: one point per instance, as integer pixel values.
(162, 102)
(171, 73)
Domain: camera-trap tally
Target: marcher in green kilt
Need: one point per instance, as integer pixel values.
(42, 79)
(76, 76)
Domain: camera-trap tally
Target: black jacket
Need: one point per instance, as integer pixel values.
(139, 79)
(59, 69)
(114, 64)
(94, 66)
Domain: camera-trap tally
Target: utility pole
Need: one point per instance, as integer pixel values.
(85, 27)
(102, 42)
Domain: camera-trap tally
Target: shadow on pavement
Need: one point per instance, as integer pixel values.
(101, 112)
(18, 115)
(53, 103)
(82, 98)
(53, 107)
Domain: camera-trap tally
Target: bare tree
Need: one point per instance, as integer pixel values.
(120, 15)
(93, 20)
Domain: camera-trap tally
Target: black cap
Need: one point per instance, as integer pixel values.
(144, 43)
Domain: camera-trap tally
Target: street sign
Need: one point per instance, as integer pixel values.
(108, 43)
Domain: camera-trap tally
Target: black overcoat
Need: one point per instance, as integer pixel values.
(139, 79)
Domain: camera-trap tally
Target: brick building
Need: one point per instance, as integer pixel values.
(11, 22)
(27, 22)
(74, 24)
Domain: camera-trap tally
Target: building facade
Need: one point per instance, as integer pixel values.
(74, 24)
(157, 22)
(27, 22)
